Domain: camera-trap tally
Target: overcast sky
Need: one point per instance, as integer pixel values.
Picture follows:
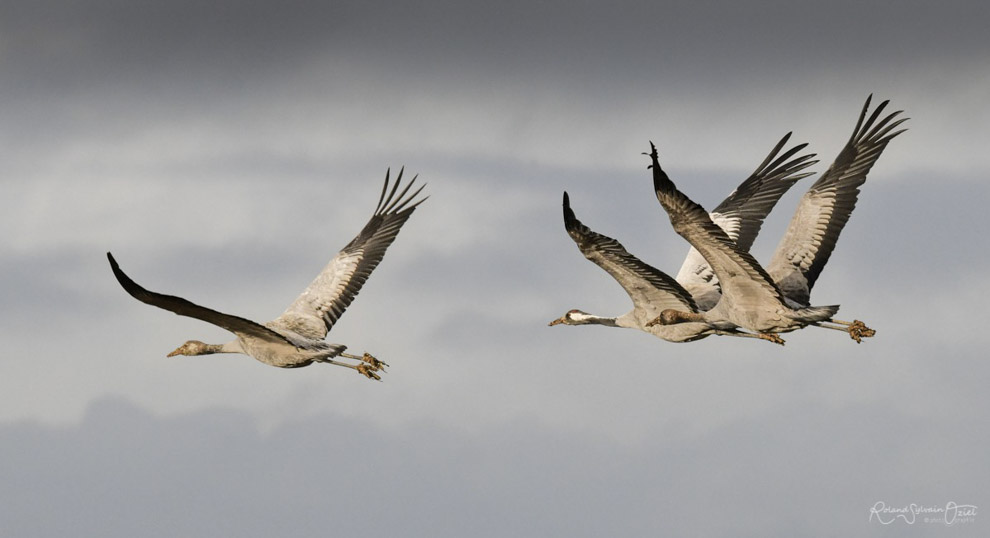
(224, 151)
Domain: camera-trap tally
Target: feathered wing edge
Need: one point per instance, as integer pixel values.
(648, 287)
(742, 213)
(824, 210)
(755, 197)
(182, 307)
(322, 303)
(693, 223)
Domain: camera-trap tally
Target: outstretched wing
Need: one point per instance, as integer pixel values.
(651, 290)
(741, 215)
(322, 303)
(824, 210)
(741, 277)
(182, 307)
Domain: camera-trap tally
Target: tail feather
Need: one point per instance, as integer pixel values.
(812, 314)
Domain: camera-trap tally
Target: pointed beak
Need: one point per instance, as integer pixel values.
(178, 351)
(555, 322)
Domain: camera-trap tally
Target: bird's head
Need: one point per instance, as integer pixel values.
(573, 317)
(192, 347)
(668, 317)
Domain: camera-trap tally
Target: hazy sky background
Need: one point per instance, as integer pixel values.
(224, 151)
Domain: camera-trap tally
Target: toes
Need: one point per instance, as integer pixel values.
(368, 372)
(771, 338)
(858, 330)
(374, 363)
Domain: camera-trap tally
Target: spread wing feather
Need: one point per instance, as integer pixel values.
(651, 290)
(182, 307)
(742, 213)
(321, 304)
(739, 274)
(824, 210)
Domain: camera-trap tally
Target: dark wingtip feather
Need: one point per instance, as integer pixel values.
(388, 202)
(661, 183)
(125, 281)
(774, 152)
(570, 219)
(381, 198)
(862, 116)
(395, 187)
(876, 114)
(652, 155)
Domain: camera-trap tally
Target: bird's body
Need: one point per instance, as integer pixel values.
(653, 291)
(778, 301)
(296, 338)
(638, 319)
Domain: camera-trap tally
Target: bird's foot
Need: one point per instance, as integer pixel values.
(368, 371)
(858, 331)
(373, 363)
(771, 338)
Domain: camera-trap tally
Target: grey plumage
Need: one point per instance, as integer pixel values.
(749, 299)
(741, 216)
(322, 303)
(295, 338)
(824, 210)
(653, 291)
(778, 300)
(648, 287)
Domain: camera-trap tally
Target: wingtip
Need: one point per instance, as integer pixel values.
(654, 158)
(125, 281)
(660, 180)
(569, 217)
(652, 155)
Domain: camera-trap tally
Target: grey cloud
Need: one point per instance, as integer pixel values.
(123, 472)
(230, 38)
(224, 153)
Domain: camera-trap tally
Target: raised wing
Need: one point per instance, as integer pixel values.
(651, 290)
(182, 307)
(742, 213)
(322, 303)
(824, 210)
(740, 275)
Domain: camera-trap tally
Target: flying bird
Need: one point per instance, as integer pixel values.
(652, 291)
(297, 337)
(777, 301)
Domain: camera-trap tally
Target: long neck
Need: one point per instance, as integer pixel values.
(591, 319)
(682, 316)
(233, 346)
(628, 321)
